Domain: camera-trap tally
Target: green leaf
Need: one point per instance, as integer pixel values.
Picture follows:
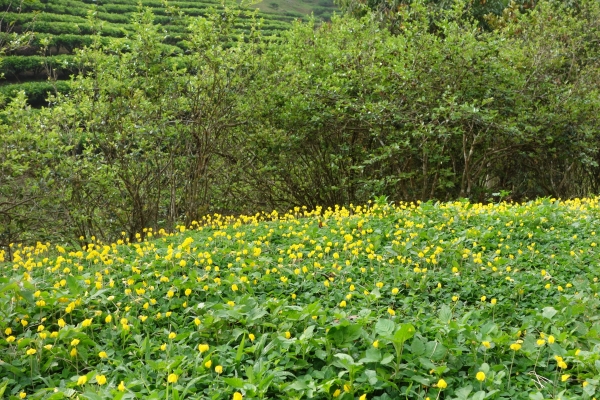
(73, 285)
(3, 387)
(463, 392)
(388, 358)
(240, 351)
(371, 376)
(385, 327)
(549, 312)
(235, 383)
(405, 332)
(445, 314)
(480, 395)
(344, 333)
(372, 355)
(417, 347)
(536, 396)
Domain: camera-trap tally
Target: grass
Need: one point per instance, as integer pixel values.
(415, 301)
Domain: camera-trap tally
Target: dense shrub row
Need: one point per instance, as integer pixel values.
(36, 92)
(35, 65)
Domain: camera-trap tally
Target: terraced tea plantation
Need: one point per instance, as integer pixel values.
(416, 301)
(61, 26)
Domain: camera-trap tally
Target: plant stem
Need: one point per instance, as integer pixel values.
(510, 370)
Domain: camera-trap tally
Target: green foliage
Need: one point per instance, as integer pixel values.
(448, 300)
(36, 92)
(454, 111)
(324, 115)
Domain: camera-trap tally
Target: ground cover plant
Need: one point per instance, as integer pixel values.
(414, 300)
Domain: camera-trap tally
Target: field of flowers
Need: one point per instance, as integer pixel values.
(412, 301)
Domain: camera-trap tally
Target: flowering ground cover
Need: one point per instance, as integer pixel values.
(415, 301)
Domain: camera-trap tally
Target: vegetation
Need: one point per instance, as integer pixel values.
(429, 300)
(58, 28)
(173, 123)
(150, 135)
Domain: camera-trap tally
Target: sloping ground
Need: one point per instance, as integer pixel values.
(61, 26)
(453, 301)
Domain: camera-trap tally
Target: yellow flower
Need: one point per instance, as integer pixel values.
(31, 352)
(102, 354)
(208, 364)
(288, 335)
(442, 384)
(8, 331)
(61, 323)
(363, 397)
(163, 346)
(515, 346)
(188, 292)
(101, 379)
(74, 342)
(172, 335)
(551, 339)
(203, 347)
(22, 395)
(237, 396)
(172, 378)
(108, 319)
(376, 344)
(585, 383)
(483, 298)
(24, 323)
(564, 377)
(337, 393)
(219, 369)
(82, 380)
(395, 290)
(494, 301)
(562, 364)
(231, 303)
(343, 303)
(10, 339)
(480, 376)
(73, 352)
(121, 387)
(391, 312)
(454, 298)
(170, 294)
(86, 322)
(379, 285)
(541, 342)
(251, 337)
(234, 287)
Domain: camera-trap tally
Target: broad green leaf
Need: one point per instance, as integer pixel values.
(445, 314)
(385, 327)
(549, 312)
(405, 332)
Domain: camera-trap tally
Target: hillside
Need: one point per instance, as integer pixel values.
(62, 26)
(444, 300)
